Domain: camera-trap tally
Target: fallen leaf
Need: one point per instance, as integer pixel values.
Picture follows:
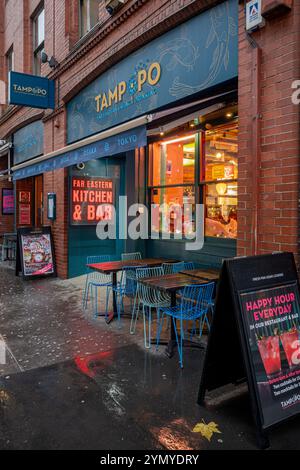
(207, 430)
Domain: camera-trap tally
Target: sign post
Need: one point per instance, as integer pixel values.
(255, 337)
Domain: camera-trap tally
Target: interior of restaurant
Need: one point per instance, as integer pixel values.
(197, 162)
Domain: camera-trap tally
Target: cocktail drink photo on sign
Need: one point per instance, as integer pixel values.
(269, 350)
(291, 344)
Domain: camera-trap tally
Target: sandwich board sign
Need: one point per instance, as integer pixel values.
(256, 332)
(35, 253)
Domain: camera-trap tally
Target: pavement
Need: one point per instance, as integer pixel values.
(73, 382)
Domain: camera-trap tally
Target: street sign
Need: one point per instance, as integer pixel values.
(255, 337)
(31, 91)
(253, 15)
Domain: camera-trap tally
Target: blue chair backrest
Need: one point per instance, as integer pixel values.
(173, 268)
(131, 256)
(129, 279)
(188, 265)
(94, 260)
(150, 272)
(196, 299)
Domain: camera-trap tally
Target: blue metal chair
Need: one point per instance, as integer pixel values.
(173, 268)
(131, 256)
(94, 281)
(189, 265)
(194, 304)
(126, 287)
(147, 298)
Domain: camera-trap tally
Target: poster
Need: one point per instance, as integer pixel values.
(271, 319)
(8, 202)
(24, 197)
(24, 214)
(92, 200)
(36, 253)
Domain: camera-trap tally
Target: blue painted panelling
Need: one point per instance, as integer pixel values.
(28, 142)
(199, 54)
(83, 241)
(211, 255)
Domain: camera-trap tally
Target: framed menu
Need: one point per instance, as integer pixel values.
(8, 201)
(35, 253)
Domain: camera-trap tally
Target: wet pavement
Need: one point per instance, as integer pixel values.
(73, 382)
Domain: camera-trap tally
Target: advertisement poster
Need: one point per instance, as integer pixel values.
(37, 254)
(24, 214)
(8, 202)
(24, 197)
(92, 200)
(272, 324)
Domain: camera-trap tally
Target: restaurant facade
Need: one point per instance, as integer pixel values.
(171, 104)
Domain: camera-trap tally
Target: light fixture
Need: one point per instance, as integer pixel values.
(219, 155)
(180, 139)
(229, 115)
(221, 188)
(192, 124)
(51, 61)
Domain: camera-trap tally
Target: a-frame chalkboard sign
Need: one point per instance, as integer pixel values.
(254, 337)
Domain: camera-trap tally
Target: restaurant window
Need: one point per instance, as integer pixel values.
(172, 177)
(38, 40)
(89, 15)
(220, 171)
(198, 168)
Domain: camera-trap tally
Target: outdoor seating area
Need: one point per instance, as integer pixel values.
(160, 294)
(8, 247)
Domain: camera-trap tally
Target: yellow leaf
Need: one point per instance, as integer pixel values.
(207, 430)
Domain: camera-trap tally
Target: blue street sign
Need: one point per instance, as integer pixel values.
(31, 91)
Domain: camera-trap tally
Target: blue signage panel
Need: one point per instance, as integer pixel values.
(120, 143)
(193, 57)
(28, 142)
(31, 91)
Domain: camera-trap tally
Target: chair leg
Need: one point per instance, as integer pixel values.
(177, 341)
(107, 301)
(159, 328)
(134, 315)
(84, 295)
(147, 344)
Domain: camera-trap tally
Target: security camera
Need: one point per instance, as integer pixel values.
(81, 166)
(46, 60)
(112, 5)
(2, 142)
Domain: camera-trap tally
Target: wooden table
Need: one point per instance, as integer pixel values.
(172, 283)
(113, 267)
(208, 275)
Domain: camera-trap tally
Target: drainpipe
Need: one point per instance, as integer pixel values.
(256, 140)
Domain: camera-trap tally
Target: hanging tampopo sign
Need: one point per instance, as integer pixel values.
(31, 91)
(193, 57)
(92, 200)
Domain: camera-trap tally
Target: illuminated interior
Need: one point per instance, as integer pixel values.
(175, 178)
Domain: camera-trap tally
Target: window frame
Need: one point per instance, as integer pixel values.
(37, 47)
(199, 183)
(83, 32)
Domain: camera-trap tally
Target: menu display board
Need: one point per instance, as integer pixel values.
(24, 214)
(35, 255)
(272, 322)
(92, 200)
(256, 332)
(8, 202)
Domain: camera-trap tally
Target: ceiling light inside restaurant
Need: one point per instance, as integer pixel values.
(221, 188)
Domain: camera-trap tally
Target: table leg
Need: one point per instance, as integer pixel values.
(172, 342)
(114, 313)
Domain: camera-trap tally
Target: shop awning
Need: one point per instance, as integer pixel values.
(119, 139)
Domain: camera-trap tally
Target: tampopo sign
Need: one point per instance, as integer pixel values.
(91, 200)
(31, 91)
(193, 57)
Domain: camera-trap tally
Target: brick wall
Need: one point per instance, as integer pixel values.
(277, 176)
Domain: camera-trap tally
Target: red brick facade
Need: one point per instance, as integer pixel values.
(269, 122)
